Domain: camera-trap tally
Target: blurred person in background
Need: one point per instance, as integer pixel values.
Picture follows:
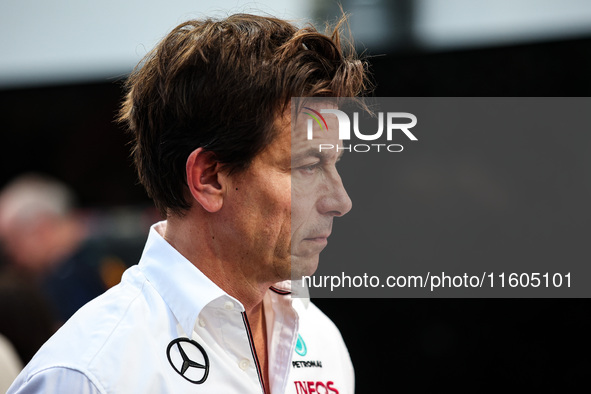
(47, 240)
(26, 319)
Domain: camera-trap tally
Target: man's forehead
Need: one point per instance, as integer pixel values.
(303, 147)
(302, 152)
(324, 131)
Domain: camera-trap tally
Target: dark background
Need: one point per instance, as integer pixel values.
(396, 344)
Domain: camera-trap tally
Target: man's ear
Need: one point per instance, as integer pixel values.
(203, 179)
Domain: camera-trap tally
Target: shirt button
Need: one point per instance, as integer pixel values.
(201, 323)
(244, 364)
(229, 305)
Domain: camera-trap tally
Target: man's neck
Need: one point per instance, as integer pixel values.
(233, 275)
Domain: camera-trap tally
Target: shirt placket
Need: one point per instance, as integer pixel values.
(239, 344)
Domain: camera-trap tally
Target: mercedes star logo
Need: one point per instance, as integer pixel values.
(189, 359)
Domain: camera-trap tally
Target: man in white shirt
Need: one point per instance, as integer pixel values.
(247, 202)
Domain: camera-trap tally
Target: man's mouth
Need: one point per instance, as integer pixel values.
(319, 239)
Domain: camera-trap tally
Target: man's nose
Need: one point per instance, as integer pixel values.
(336, 201)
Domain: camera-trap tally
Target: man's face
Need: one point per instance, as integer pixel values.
(317, 192)
(286, 201)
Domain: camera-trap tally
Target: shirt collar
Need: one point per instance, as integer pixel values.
(184, 288)
(295, 289)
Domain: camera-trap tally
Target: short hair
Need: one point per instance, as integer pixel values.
(220, 85)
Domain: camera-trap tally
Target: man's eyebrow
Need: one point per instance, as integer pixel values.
(310, 152)
(314, 152)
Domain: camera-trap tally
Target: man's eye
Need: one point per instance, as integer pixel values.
(309, 169)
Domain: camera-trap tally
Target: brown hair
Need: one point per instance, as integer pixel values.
(220, 85)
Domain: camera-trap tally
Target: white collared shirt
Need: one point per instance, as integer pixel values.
(167, 328)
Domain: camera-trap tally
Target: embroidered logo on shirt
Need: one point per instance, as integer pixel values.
(188, 358)
(300, 347)
(307, 387)
(307, 364)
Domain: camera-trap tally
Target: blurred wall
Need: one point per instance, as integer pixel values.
(61, 40)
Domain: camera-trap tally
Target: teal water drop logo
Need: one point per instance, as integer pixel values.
(300, 347)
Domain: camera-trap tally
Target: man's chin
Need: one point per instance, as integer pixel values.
(303, 266)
